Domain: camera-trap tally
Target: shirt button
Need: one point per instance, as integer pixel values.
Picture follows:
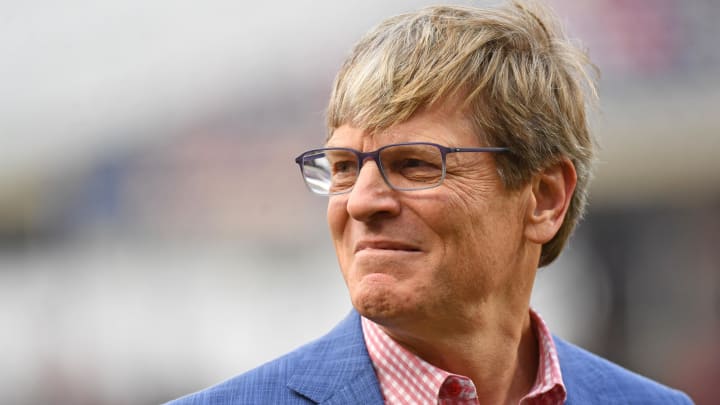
(452, 387)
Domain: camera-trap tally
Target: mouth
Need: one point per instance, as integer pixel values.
(382, 245)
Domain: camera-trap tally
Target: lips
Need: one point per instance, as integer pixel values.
(385, 245)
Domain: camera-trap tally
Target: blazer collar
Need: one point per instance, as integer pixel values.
(336, 369)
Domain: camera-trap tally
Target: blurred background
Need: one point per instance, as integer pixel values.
(156, 237)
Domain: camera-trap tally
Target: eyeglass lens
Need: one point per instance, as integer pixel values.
(405, 167)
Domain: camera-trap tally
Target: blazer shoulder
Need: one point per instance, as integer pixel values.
(261, 384)
(309, 374)
(591, 379)
(266, 383)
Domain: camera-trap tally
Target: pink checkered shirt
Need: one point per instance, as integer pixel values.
(407, 379)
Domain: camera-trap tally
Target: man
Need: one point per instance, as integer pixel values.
(457, 163)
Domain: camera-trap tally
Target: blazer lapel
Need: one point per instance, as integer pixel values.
(337, 368)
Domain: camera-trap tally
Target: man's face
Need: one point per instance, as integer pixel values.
(436, 255)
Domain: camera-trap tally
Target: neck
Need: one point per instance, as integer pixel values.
(499, 354)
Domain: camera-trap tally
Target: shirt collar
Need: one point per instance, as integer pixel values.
(406, 378)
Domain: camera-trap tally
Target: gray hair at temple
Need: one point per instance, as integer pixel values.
(522, 82)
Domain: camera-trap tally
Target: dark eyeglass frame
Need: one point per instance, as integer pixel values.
(375, 156)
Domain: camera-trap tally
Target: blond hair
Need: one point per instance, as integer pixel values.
(524, 84)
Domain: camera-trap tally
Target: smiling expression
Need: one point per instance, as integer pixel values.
(439, 254)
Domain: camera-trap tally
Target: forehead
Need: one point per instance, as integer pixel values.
(443, 124)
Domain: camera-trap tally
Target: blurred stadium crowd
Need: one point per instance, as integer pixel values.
(154, 230)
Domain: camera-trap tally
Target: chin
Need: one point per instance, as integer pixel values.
(374, 302)
(382, 305)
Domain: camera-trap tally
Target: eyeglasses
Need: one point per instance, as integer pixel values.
(404, 166)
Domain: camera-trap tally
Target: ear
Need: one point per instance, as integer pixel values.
(551, 192)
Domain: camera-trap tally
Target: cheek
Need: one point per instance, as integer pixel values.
(337, 218)
(443, 223)
(465, 219)
(471, 233)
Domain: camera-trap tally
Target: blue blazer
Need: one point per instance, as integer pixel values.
(336, 369)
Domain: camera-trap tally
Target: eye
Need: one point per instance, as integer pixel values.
(410, 165)
(419, 171)
(413, 163)
(343, 166)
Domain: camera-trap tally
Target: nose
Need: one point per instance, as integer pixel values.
(371, 197)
